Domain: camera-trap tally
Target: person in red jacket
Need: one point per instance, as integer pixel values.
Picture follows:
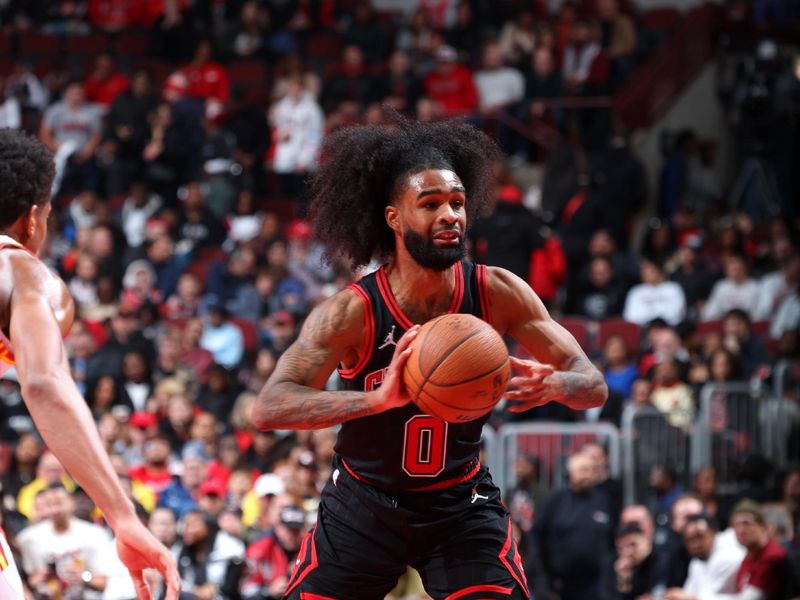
(105, 83)
(270, 559)
(761, 575)
(205, 78)
(451, 85)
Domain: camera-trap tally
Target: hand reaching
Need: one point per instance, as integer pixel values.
(392, 392)
(534, 386)
(139, 550)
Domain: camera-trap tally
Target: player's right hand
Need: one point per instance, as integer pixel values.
(139, 550)
(392, 391)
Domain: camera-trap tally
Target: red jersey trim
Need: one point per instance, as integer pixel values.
(299, 575)
(483, 293)
(518, 574)
(388, 297)
(310, 596)
(398, 314)
(441, 485)
(369, 339)
(474, 589)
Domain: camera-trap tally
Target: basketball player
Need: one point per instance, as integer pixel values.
(36, 310)
(408, 489)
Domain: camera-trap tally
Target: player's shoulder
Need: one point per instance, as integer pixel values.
(502, 282)
(339, 317)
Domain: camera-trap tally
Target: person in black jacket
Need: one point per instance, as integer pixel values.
(636, 566)
(573, 536)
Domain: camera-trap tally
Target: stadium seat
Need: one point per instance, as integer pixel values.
(579, 328)
(660, 19)
(87, 45)
(249, 333)
(5, 44)
(39, 45)
(247, 73)
(707, 327)
(630, 332)
(133, 43)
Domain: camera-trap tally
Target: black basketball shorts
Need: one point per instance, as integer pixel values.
(459, 539)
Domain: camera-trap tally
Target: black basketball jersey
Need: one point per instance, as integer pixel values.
(403, 448)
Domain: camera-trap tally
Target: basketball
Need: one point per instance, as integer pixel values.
(458, 368)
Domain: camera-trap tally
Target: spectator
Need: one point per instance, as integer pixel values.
(10, 109)
(573, 536)
(297, 123)
(250, 130)
(187, 300)
(49, 471)
(198, 226)
(508, 237)
(365, 31)
(618, 38)
(22, 466)
(168, 267)
(206, 79)
(736, 290)
(620, 372)
(705, 486)
(715, 561)
(218, 395)
(65, 550)
(586, 64)
(216, 155)
(654, 298)
(787, 318)
(222, 338)
(164, 153)
(543, 81)
(231, 284)
(137, 209)
(349, 82)
(762, 573)
(790, 495)
(666, 490)
(164, 526)
(416, 40)
(451, 85)
(673, 397)
(466, 34)
(105, 83)
(601, 295)
(636, 565)
(738, 338)
(692, 275)
(210, 561)
(72, 129)
(500, 89)
(604, 483)
(181, 495)
(270, 559)
(775, 286)
(518, 39)
(669, 539)
(138, 285)
(399, 87)
(246, 38)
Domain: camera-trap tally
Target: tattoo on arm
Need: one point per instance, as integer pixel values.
(582, 385)
(293, 398)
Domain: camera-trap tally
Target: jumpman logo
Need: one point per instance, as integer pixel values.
(388, 340)
(477, 496)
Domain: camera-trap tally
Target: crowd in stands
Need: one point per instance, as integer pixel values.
(188, 285)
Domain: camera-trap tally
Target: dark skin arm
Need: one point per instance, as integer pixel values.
(293, 397)
(563, 372)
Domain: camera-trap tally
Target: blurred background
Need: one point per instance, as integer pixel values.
(648, 194)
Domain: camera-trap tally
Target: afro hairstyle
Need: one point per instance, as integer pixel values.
(26, 174)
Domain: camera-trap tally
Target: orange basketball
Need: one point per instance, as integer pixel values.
(458, 368)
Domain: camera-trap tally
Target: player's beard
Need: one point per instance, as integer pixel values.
(430, 256)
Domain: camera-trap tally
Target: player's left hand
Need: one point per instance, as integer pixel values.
(139, 550)
(535, 385)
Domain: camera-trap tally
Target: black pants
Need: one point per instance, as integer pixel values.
(459, 539)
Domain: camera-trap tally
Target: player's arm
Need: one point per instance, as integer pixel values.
(66, 425)
(563, 372)
(293, 397)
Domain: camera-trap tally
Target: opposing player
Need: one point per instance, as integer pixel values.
(36, 310)
(408, 489)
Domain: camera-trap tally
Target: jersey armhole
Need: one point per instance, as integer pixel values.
(483, 293)
(369, 334)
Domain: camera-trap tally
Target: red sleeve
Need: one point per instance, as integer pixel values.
(598, 72)
(222, 88)
(766, 572)
(470, 98)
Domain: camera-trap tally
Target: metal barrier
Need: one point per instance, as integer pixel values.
(551, 443)
(733, 423)
(490, 452)
(649, 440)
(784, 413)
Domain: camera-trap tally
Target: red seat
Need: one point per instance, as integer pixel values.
(324, 46)
(5, 44)
(579, 328)
(133, 43)
(660, 19)
(708, 327)
(87, 45)
(199, 268)
(250, 73)
(249, 333)
(630, 332)
(211, 255)
(32, 43)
